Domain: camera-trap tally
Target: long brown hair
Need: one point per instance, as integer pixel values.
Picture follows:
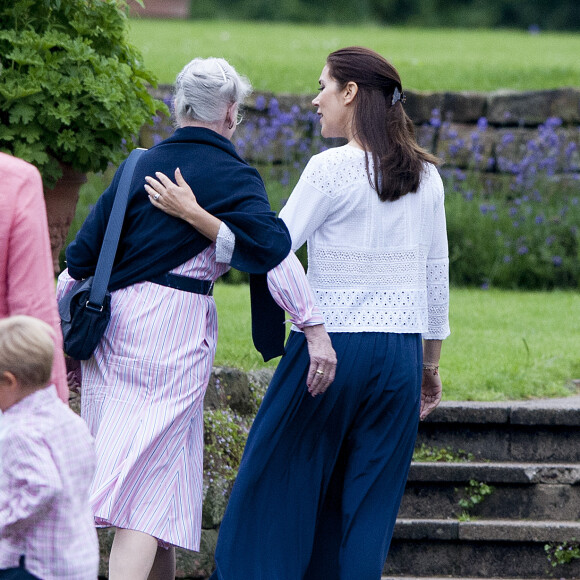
(383, 128)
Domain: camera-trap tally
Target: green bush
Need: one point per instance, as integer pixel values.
(557, 14)
(72, 89)
(517, 227)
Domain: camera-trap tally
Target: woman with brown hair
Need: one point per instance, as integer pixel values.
(321, 479)
(143, 389)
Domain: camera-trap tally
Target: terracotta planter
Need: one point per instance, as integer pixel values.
(161, 8)
(61, 204)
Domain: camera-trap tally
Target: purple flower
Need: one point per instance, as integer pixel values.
(507, 259)
(273, 109)
(553, 122)
(454, 149)
(435, 118)
(522, 250)
(507, 139)
(482, 124)
(557, 261)
(539, 219)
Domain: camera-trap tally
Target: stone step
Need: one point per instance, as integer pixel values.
(519, 491)
(449, 578)
(545, 430)
(479, 549)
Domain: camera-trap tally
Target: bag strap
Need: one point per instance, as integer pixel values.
(112, 233)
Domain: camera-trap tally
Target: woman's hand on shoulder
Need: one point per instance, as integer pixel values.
(176, 199)
(322, 359)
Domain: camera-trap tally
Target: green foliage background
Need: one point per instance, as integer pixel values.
(72, 88)
(554, 15)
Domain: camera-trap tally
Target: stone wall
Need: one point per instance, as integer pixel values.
(491, 133)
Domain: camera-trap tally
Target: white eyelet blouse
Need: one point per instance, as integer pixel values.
(374, 266)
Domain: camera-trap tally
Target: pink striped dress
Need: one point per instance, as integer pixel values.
(142, 397)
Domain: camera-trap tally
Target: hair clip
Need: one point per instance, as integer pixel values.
(398, 96)
(223, 72)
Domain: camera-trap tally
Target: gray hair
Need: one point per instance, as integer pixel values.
(206, 87)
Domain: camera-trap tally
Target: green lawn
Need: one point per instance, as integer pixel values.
(288, 58)
(503, 345)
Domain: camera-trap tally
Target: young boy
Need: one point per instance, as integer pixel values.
(47, 461)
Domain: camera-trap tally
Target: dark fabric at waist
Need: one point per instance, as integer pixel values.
(183, 283)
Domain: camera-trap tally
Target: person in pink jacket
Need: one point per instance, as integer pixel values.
(27, 284)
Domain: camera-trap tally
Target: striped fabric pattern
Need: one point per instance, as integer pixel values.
(142, 397)
(290, 289)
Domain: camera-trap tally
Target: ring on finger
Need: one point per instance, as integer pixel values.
(156, 196)
(319, 372)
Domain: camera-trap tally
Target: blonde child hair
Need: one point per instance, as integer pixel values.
(26, 350)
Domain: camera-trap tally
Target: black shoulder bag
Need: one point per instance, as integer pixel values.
(85, 311)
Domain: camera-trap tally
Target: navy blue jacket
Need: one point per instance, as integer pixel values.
(153, 242)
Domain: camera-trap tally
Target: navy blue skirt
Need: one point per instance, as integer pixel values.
(321, 479)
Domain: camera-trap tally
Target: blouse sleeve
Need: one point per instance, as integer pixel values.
(225, 244)
(438, 269)
(307, 208)
(290, 289)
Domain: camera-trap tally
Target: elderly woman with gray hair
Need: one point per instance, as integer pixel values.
(143, 389)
